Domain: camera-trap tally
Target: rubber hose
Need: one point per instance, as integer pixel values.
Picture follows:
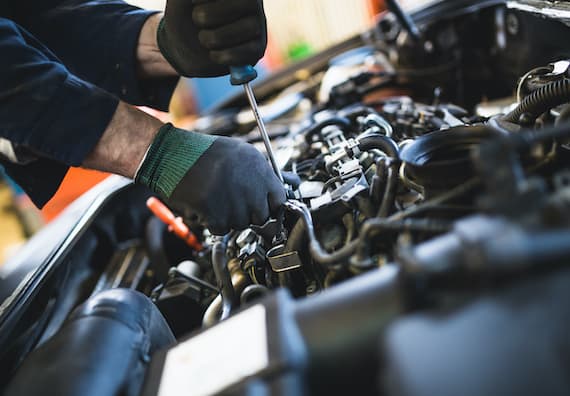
(319, 254)
(352, 112)
(540, 101)
(223, 278)
(529, 250)
(389, 192)
(340, 121)
(380, 142)
(373, 225)
(297, 237)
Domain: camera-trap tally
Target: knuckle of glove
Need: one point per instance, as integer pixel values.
(256, 159)
(292, 179)
(260, 214)
(240, 220)
(201, 16)
(276, 198)
(219, 228)
(217, 217)
(226, 37)
(276, 194)
(257, 204)
(209, 39)
(245, 54)
(219, 12)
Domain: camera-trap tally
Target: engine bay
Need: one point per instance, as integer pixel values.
(423, 175)
(375, 167)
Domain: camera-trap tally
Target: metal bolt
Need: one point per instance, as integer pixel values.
(311, 288)
(245, 237)
(513, 24)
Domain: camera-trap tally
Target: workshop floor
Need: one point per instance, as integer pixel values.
(12, 235)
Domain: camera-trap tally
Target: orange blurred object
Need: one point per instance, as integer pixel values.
(76, 182)
(273, 58)
(375, 7)
(175, 224)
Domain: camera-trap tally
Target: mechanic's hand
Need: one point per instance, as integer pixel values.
(201, 38)
(224, 180)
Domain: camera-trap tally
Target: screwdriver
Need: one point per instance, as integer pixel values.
(242, 75)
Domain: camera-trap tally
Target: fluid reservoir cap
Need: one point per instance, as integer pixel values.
(189, 268)
(246, 237)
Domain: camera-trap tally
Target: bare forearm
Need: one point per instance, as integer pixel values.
(151, 63)
(131, 131)
(124, 143)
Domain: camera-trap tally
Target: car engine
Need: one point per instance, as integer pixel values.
(376, 167)
(427, 220)
(367, 175)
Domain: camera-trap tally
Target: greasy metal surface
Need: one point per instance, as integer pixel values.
(559, 10)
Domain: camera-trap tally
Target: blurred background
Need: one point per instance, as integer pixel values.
(297, 29)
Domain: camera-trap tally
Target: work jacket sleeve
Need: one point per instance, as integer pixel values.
(46, 111)
(97, 41)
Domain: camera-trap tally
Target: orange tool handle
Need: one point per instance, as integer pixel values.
(175, 224)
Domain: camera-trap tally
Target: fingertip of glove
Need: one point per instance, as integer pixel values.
(162, 41)
(200, 16)
(215, 13)
(277, 198)
(218, 229)
(244, 54)
(292, 179)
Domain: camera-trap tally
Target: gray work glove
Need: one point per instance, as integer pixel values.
(224, 180)
(201, 38)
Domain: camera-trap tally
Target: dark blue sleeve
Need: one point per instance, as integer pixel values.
(43, 105)
(97, 41)
(47, 109)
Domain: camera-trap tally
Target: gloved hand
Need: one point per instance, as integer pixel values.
(201, 38)
(224, 180)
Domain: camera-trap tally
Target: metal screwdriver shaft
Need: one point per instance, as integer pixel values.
(262, 130)
(242, 76)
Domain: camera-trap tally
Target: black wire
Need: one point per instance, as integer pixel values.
(540, 101)
(342, 255)
(315, 129)
(389, 192)
(330, 182)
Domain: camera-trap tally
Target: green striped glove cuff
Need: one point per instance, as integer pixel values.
(172, 153)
